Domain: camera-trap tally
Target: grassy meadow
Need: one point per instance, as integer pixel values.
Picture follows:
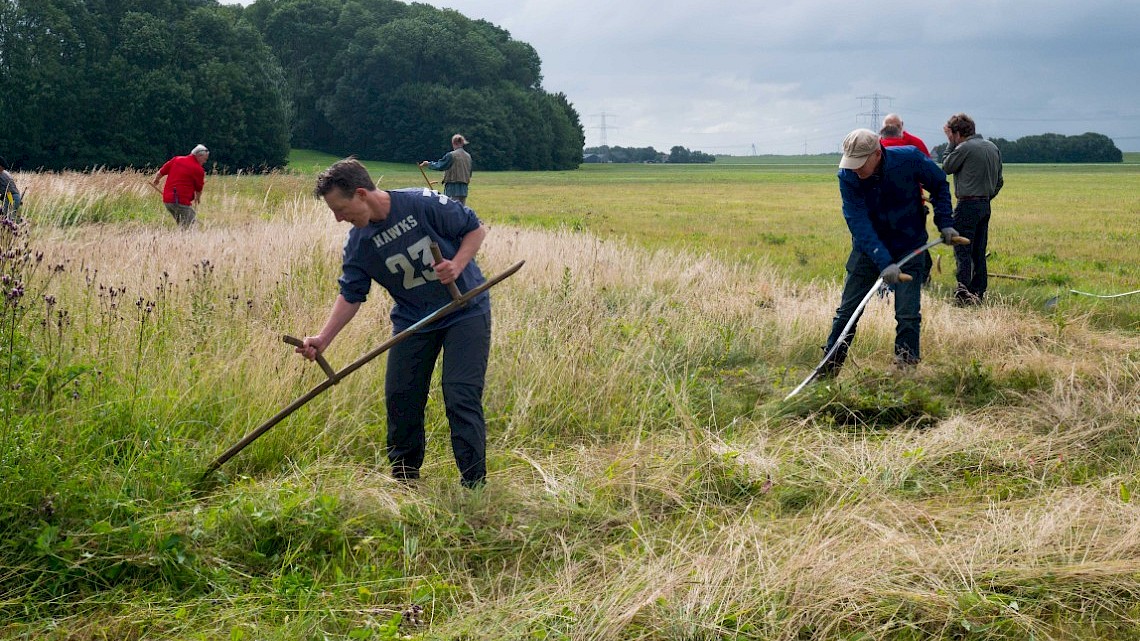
(647, 479)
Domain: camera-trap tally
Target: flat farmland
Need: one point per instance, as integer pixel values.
(647, 479)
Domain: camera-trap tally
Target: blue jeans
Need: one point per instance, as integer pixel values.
(466, 348)
(972, 220)
(861, 276)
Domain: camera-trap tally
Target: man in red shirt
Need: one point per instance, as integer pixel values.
(185, 179)
(893, 135)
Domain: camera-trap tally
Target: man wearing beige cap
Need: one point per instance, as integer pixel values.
(185, 179)
(456, 168)
(879, 187)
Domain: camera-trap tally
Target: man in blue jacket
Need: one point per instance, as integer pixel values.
(880, 187)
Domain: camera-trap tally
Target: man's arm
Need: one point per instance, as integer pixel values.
(934, 181)
(162, 171)
(199, 184)
(1000, 179)
(439, 165)
(449, 270)
(953, 159)
(342, 312)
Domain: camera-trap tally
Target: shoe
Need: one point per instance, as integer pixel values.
(405, 475)
(473, 485)
(902, 367)
(831, 367)
(966, 298)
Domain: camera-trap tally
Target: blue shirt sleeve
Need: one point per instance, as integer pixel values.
(442, 163)
(934, 181)
(355, 283)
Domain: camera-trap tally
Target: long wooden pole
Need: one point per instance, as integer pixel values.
(336, 377)
(429, 182)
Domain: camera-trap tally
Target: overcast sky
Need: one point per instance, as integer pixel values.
(787, 77)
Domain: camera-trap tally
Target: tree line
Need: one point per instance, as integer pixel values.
(121, 83)
(677, 154)
(1053, 148)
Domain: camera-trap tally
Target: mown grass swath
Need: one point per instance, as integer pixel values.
(647, 480)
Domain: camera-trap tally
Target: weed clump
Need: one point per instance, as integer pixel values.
(872, 401)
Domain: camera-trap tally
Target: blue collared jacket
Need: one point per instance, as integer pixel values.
(885, 212)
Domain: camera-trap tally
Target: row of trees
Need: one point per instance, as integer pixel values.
(131, 82)
(1054, 148)
(388, 80)
(677, 154)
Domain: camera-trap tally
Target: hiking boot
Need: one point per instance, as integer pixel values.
(963, 298)
(904, 366)
(830, 368)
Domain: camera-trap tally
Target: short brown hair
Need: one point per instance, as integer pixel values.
(961, 124)
(346, 175)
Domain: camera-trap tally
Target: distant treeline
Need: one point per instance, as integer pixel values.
(122, 83)
(130, 82)
(1054, 148)
(677, 154)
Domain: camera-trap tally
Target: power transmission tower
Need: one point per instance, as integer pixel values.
(874, 114)
(603, 127)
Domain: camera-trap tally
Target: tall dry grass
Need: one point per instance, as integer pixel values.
(647, 480)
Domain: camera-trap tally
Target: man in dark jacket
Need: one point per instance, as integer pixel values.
(879, 187)
(390, 244)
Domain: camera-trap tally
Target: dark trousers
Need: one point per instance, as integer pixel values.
(972, 220)
(466, 347)
(183, 214)
(456, 191)
(861, 276)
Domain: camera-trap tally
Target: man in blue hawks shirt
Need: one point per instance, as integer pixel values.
(390, 243)
(881, 188)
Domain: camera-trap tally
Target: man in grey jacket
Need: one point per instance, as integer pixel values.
(456, 168)
(975, 164)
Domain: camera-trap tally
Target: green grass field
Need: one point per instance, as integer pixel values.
(1062, 227)
(647, 479)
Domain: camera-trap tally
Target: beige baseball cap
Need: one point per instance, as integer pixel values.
(858, 147)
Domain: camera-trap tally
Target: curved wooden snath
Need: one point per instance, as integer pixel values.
(335, 377)
(430, 182)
